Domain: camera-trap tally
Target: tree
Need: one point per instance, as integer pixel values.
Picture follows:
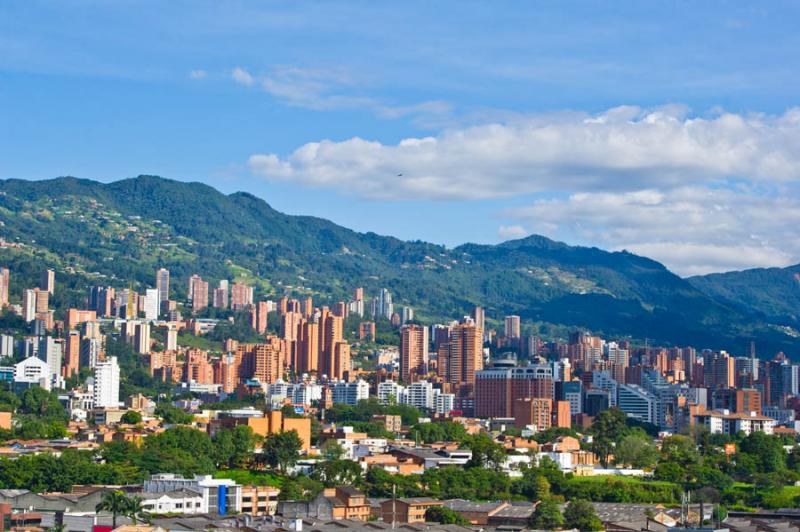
(608, 427)
(485, 452)
(581, 514)
(172, 415)
(680, 450)
(445, 516)
(136, 511)
(547, 515)
(280, 450)
(131, 417)
(337, 472)
(636, 451)
(115, 502)
(42, 403)
(331, 450)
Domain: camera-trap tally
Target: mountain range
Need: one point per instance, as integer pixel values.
(114, 233)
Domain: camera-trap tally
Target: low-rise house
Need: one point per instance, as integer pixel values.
(407, 509)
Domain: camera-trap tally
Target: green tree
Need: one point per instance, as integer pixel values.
(608, 428)
(136, 511)
(42, 403)
(331, 450)
(581, 514)
(280, 450)
(679, 449)
(547, 515)
(172, 415)
(445, 516)
(485, 451)
(131, 417)
(114, 502)
(636, 450)
(337, 472)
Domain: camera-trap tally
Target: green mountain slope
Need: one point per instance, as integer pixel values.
(773, 293)
(112, 233)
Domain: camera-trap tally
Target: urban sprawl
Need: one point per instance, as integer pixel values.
(225, 408)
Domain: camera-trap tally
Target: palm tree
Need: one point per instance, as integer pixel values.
(114, 502)
(136, 510)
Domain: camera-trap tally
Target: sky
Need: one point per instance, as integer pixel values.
(670, 129)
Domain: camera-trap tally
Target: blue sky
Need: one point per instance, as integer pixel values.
(666, 128)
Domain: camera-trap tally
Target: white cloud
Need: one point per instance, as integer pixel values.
(242, 76)
(510, 232)
(692, 229)
(198, 74)
(699, 193)
(333, 89)
(622, 149)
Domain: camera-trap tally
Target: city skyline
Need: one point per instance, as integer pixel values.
(553, 126)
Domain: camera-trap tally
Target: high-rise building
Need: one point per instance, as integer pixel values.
(152, 304)
(479, 317)
(638, 403)
(199, 293)
(50, 350)
(73, 358)
(413, 351)
(162, 285)
(463, 356)
(497, 388)
(106, 383)
(5, 281)
(407, 314)
(384, 308)
(512, 329)
(219, 298)
(29, 304)
(258, 316)
(241, 296)
(358, 294)
(141, 340)
(171, 339)
(307, 346)
(101, 300)
(536, 411)
(48, 281)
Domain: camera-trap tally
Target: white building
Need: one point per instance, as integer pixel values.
(390, 391)
(420, 395)
(50, 351)
(6, 345)
(445, 402)
(638, 403)
(350, 392)
(172, 339)
(219, 495)
(106, 384)
(33, 370)
(180, 501)
(151, 304)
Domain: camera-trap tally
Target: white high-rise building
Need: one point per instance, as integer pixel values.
(29, 305)
(445, 402)
(6, 346)
(407, 315)
(106, 383)
(420, 395)
(162, 285)
(151, 304)
(350, 393)
(50, 351)
(172, 339)
(390, 392)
